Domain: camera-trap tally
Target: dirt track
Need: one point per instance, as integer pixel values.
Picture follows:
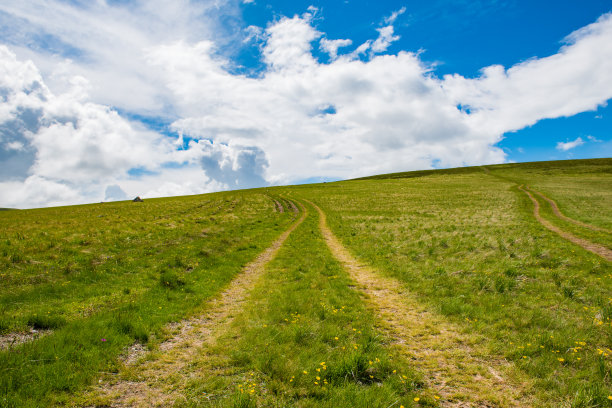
(597, 249)
(559, 214)
(150, 388)
(458, 370)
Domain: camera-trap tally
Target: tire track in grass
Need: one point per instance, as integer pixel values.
(457, 368)
(304, 338)
(597, 249)
(157, 381)
(559, 214)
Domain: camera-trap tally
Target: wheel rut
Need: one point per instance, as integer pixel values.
(157, 382)
(559, 214)
(597, 249)
(455, 366)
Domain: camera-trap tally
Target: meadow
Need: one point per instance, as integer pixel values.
(96, 279)
(462, 246)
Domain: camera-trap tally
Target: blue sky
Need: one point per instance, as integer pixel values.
(111, 99)
(463, 37)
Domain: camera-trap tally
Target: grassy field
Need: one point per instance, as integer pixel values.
(101, 277)
(467, 244)
(304, 339)
(94, 280)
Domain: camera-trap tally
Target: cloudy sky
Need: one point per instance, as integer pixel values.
(109, 99)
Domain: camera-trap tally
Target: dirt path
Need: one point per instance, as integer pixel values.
(455, 366)
(158, 380)
(559, 214)
(600, 250)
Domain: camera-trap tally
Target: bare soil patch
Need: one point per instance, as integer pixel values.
(455, 365)
(293, 207)
(278, 207)
(11, 340)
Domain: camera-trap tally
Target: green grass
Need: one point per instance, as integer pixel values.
(468, 245)
(464, 241)
(581, 188)
(102, 277)
(304, 339)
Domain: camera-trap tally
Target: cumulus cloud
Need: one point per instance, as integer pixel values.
(576, 79)
(288, 44)
(565, 146)
(107, 42)
(363, 112)
(331, 46)
(61, 149)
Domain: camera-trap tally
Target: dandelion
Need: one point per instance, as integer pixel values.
(561, 359)
(436, 397)
(336, 338)
(416, 399)
(305, 372)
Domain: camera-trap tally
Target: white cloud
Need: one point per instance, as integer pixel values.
(565, 146)
(594, 139)
(14, 145)
(63, 139)
(331, 46)
(288, 44)
(384, 40)
(74, 147)
(391, 19)
(107, 42)
(576, 79)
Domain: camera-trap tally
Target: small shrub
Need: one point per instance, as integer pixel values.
(511, 273)
(42, 322)
(171, 280)
(127, 326)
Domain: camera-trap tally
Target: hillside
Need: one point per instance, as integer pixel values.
(481, 286)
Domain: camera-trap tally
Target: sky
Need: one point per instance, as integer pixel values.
(104, 100)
